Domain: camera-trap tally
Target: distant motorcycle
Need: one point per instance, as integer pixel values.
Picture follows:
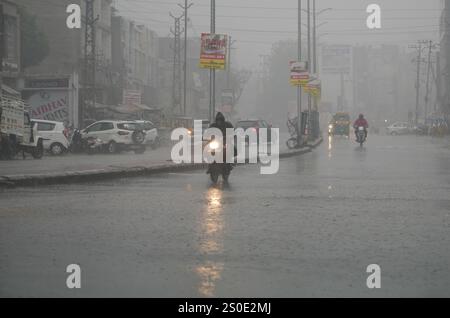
(215, 169)
(361, 135)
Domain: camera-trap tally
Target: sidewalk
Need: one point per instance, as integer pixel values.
(84, 168)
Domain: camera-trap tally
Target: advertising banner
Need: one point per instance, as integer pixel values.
(299, 73)
(314, 88)
(49, 105)
(213, 52)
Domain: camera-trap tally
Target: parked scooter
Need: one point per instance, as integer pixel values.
(90, 145)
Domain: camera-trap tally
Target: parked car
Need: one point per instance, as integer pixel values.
(117, 135)
(151, 133)
(54, 135)
(255, 124)
(398, 128)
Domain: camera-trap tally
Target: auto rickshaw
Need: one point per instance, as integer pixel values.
(340, 125)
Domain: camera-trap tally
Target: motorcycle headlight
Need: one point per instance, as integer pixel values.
(330, 127)
(214, 145)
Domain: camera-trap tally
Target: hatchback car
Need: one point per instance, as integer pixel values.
(55, 136)
(117, 135)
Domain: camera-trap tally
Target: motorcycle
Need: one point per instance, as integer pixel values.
(215, 169)
(361, 135)
(94, 145)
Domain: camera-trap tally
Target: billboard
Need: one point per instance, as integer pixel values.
(213, 51)
(299, 73)
(336, 59)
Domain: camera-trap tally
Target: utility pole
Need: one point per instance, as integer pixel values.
(230, 47)
(309, 66)
(186, 7)
(90, 65)
(427, 96)
(314, 38)
(299, 88)
(2, 41)
(419, 61)
(176, 76)
(212, 72)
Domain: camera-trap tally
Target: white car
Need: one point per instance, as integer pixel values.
(54, 135)
(151, 133)
(398, 129)
(117, 136)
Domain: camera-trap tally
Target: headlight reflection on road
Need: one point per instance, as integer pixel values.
(330, 147)
(211, 242)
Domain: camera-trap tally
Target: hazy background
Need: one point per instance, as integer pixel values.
(257, 24)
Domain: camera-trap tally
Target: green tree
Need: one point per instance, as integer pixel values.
(34, 43)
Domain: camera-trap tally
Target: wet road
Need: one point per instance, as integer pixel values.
(311, 230)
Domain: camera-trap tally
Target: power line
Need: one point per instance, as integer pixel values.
(276, 8)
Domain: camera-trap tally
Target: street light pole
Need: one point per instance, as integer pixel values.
(212, 72)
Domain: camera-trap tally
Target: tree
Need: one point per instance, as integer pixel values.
(34, 43)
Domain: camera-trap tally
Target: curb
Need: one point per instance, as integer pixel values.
(113, 173)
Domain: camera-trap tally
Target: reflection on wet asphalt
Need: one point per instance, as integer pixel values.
(311, 230)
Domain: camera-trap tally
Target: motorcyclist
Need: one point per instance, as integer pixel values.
(360, 122)
(222, 124)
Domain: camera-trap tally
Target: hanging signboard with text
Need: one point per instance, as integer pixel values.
(314, 88)
(299, 73)
(213, 52)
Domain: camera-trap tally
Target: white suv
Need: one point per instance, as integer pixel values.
(54, 134)
(117, 135)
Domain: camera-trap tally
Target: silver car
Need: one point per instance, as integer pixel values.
(398, 128)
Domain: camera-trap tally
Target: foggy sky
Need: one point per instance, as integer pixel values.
(256, 24)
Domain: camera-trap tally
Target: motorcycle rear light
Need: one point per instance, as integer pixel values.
(123, 133)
